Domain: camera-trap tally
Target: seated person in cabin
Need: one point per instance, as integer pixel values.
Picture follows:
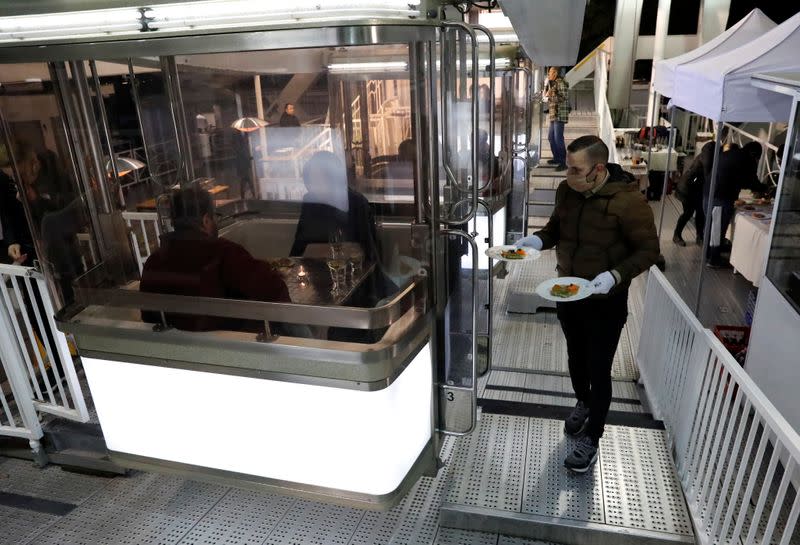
(332, 211)
(331, 207)
(192, 260)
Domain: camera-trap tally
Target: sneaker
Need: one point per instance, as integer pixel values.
(552, 162)
(583, 457)
(678, 240)
(577, 419)
(560, 167)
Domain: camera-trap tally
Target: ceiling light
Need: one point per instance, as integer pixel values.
(197, 15)
(389, 66)
(125, 165)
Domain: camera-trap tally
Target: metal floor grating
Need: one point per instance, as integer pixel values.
(535, 342)
(533, 388)
(633, 486)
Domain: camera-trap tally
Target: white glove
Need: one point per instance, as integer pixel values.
(532, 241)
(603, 283)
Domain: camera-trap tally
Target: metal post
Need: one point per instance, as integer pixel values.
(90, 129)
(60, 81)
(170, 73)
(650, 138)
(492, 61)
(106, 131)
(137, 106)
(666, 171)
(707, 226)
(419, 100)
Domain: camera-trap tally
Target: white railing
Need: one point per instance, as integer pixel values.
(36, 348)
(587, 64)
(736, 455)
(605, 124)
(144, 232)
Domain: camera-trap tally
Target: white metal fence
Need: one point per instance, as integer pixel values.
(736, 455)
(144, 232)
(39, 371)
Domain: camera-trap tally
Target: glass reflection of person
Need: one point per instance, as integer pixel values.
(288, 119)
(243, 159)
(55, 212)
(193, 260)
(330, 205)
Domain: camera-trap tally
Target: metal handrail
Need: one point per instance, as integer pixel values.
(492, 72)
(320, 315)
(473, 389)
(475, 119)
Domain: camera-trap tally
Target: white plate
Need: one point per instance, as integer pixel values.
(494, 253)
(543, 289)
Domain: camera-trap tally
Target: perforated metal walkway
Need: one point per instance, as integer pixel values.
(507, 478)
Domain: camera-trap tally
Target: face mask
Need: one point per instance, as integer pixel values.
(581, 184)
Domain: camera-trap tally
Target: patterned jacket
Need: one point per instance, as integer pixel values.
(558, 102)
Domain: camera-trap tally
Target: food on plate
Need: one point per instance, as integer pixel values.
(749, 207)
(564, 290)
(759, 215)
(514, 253)
(740, 202)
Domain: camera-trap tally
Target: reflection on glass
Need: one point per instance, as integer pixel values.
(783, 266)
(294, 159)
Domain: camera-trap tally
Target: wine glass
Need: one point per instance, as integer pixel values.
(335, 239)
(337, 269)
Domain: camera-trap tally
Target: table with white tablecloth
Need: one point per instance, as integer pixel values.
(750, 245)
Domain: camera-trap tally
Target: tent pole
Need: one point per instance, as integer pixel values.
(707, 227)
(652, 126)
(666, 171)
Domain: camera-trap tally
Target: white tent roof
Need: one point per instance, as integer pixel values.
(752, 26)
(719, 87)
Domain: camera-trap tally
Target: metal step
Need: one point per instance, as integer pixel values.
(630, 497)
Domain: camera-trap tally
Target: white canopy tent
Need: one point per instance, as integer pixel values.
(719, 87)
(752, 26)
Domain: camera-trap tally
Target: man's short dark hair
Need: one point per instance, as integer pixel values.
(595, 148)
(188, 206)
(753, 149)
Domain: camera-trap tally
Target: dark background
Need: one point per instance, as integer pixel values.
(598, 24)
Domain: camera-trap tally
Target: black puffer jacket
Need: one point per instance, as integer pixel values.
(610, 230)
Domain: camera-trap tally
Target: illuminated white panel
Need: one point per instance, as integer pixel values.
(368, 66)
(498, 238)
(198, 15)
(351, 440)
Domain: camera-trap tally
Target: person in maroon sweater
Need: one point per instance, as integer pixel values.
(194, 261)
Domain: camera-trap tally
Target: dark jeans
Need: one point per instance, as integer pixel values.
(556, 137)
(592, 328)
(692, 205)
(727, 211)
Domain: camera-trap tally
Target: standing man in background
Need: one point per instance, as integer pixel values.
(556, 90)
(603, 231)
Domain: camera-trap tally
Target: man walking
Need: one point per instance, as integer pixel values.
(603, 230)
(556, 91)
